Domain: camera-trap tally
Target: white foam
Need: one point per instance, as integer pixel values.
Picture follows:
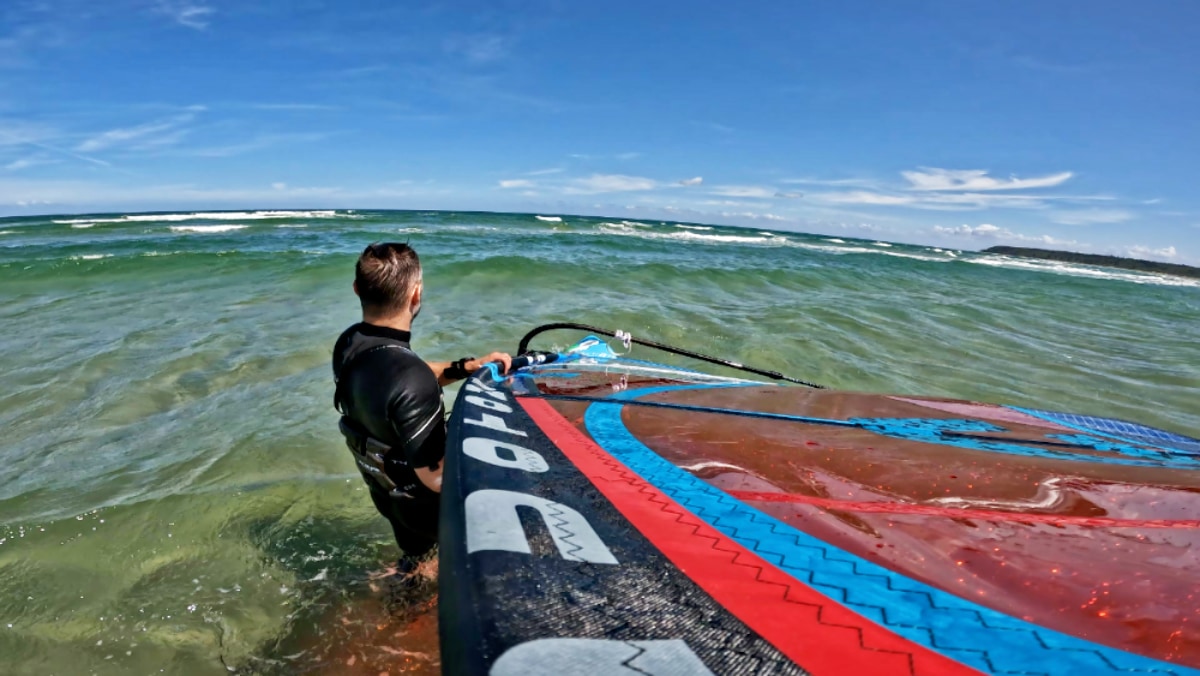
(882, 244)
(8, 232)
(693, 227)
(293, 225)
(83, 224)
(549, 219)
(206, 229)
(839, 250)
(90, 257)
(208, 216)
(410, 230)
(835, 240)
(624, 228)
(635, 224)
(1076, 270)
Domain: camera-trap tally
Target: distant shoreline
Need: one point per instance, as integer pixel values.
(1095, 259)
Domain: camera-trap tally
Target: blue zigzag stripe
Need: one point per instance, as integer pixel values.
(973, 634)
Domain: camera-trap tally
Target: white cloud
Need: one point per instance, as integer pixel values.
(256, 143)
(987, 231)
(742, 191)
(790, 195)
(616, 156)
(516, 183)
(279, 185)
(834, 182)
(597, 183)
(976, 179)
(186, 14)
(142, 133)
(478, 49)
(1090, 216)
(865, 197)
(294, 106)
(692, 181)
(545, 172)
(948, 201)
(27, 162)
(751, 215)
(982, 230)
(1139, 251)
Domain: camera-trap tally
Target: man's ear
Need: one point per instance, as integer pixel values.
(416, 297)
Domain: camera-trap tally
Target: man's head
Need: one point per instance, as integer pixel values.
(387, 280)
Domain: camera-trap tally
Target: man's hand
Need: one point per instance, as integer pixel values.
(502, 357)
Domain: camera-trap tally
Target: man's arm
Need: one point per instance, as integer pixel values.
(470, 366)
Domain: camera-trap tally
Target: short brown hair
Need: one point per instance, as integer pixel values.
(386, 275)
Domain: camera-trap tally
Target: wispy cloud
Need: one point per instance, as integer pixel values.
(545, 172)
(600, 183)
(516, 183)
(257, 143)
(834, 182)
(1091, 216)
(187, 14)
(789, 195)
(692, 181)
(937, 189)
(1164, 253)
(67, 153)
(478, 49)
(31, 161)
(141, 133)
(929, 178)
(294, 106)
(742, 191)
(865, 197)
(989, 232)
(617, 156)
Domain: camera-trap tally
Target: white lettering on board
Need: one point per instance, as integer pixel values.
(487, 450)
(554, 656)
(475, 387)
(488, 404)
(494, 422)
(493, 524)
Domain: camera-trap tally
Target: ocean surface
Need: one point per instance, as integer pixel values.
(175, 497)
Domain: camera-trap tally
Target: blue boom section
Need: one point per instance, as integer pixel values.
(973, 634)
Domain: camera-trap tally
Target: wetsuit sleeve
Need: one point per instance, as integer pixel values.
(418, 418)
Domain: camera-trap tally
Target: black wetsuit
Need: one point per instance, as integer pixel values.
(389, 394)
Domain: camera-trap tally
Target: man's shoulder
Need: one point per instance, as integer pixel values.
(361, 338)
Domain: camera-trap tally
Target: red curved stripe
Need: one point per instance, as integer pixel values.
(956, 513)
(816, 632)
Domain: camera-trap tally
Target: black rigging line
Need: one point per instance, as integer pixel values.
(774, 375)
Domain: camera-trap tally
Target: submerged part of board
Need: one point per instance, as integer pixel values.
(606, 515)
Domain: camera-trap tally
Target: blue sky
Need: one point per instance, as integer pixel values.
(1070, 124)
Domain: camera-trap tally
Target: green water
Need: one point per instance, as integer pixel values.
(175, 497)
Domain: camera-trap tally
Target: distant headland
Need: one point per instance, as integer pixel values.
(1095, 259)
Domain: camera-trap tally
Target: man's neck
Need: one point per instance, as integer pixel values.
(402, 322)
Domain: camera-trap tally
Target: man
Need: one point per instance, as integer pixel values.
(391, 400)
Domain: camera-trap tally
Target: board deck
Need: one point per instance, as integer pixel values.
(607, 515)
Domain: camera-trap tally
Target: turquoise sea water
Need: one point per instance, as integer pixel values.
(174, 497)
